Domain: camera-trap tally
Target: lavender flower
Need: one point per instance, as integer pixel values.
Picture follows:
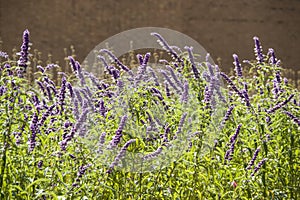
(18, 136)
(293, 117)
(67, 124)
(120, 155)
(72, 63)
(3, 54)
(50, 66)
(102, 138)
(180, 125)
(268, 119)
(258, 166)
(272, 57)
(253, 158)
(69, 86)
(206, 76)
(258, 50)
(125, 68)
(169, 81)
(7, 68)
(167, 47)
(75, 108)
(40, 164)
(117, 138)
(34, 129)
(80, 74)
(167, 89)
(76, 127)
(238, 67)
(94, 80)
(72, 156)
(157, 93)
(102, 108)
(140, 58)
(81, 171)
(78, 96)
(279, 105)
(45, 115)
(285, 80)
(88, 96)
(154, 76)
(185, 94)
(153, 154)
(62, 93)
(174, 76)
(246, 97)
(208, 92)
(143, 66)
(232, 85)
(278, 77)
(233, 138)
(227, 114)
(191, 57)
(23, 60)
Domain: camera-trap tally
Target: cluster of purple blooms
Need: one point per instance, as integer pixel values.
(24, 53)
(230, 151)
(83, 98)
(120, 155)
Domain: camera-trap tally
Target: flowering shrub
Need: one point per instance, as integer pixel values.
(44, 154)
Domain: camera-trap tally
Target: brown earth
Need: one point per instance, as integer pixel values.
(222, 27)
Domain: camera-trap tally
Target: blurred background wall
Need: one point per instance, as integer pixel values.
(221, 27)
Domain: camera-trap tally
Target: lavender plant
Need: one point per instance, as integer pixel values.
(44, 153)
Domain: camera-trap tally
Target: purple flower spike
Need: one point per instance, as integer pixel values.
(230, 151)
(227, 114)
(116, 60)
(174, 76)
(153, 154)
(146, 58)
(3, 54)
(41, 68)
(234, 137)
(258, 50)
(163, 43)
(34, 129)
(72, 63)
(191, 57)
(185, 94)
(238, 66)
(293, 117)
(180, 125)
(167, 89)
(120, 155)
(280, 105)
(253, 158)
(140, 58)
(232, 85)
(102, 108)
(272, 57)
(246, 97)
(46, 115)
(117, 138)
(69, 86)
(62, 93)
(40, 164)
(23, 60)
(80, 74)
(258, 166)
